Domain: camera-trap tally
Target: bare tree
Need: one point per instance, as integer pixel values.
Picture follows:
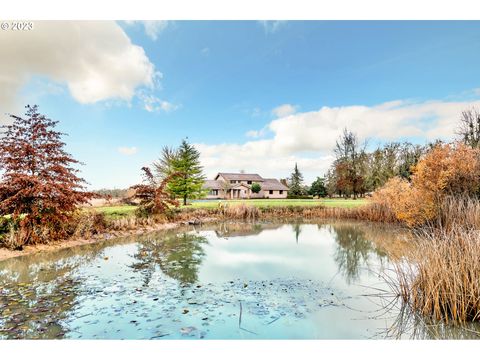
(163, 167)
(469, 128)
(351, 157)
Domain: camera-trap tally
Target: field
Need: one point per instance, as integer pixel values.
(343, 203)
(123, 210)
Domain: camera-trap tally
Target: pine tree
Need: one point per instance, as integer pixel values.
(39, 187)
(189, 183)
(296, 180)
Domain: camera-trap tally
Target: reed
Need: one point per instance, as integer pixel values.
(441, 280)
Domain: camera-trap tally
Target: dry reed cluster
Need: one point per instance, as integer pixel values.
(441, 279)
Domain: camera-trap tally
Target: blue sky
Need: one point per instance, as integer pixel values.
(253, 96)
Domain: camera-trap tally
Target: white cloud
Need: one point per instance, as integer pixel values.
(318, 130)
(255, 156)
(308, 138)
(151, 103)
(284, 110)
(127, 150)
(153, 28)
(95, 60)
(254, 133)
(272, 26)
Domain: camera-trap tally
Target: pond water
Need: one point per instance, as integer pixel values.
(222, 281)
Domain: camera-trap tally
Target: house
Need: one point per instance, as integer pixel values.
(238, 186)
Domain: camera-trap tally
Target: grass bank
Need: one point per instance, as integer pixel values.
(119, 211)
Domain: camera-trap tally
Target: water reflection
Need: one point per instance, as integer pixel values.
(179, 256)
(280, 278)
(410, 325)
(354, 250)
(297, 230)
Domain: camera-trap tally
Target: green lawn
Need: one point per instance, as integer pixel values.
(116, 211)
(349, 203)
(123, 210)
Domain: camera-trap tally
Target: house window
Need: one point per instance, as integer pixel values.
(232, 181)
(280, 192)
(249, 182)
(270, 192)
(214, 192)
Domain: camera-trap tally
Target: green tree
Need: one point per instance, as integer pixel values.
(256, 188)
(189, 183)
(296, 183)
(318, 188)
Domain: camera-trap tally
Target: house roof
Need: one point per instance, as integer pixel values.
(273, 184)
(236, 186)
(266, 184)
(240, 176)
(213, 184)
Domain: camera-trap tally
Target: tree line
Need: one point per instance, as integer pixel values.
(356, 171)
(40, 190)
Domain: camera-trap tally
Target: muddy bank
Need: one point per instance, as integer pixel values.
(98, 238)
(130, 226)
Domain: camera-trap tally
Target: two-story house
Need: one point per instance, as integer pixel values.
(238, 186)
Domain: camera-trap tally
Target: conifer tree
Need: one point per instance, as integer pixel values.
(39, 187)
(189, 182)
(296, 183)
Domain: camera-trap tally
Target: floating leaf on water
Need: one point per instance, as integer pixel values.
(188, 330)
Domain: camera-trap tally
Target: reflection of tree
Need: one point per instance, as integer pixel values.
(38, 293)
(297, 229)
(409, 324)
(33, 311)
(178, 256)
(227, 230)
(353, 250)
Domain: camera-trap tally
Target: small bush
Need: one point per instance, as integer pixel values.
(256, 188)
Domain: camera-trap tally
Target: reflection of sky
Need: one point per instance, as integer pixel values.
(114, 301)
(275, 253)
(271, 254)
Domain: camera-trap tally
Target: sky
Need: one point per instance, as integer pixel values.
(255, 96)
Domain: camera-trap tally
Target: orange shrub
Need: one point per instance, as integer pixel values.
(408, 204)
(447, 169)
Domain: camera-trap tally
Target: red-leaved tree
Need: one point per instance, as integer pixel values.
(154, 198)
(39, 186)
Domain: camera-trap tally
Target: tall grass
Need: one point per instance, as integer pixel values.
(441, 279)
(245, 211)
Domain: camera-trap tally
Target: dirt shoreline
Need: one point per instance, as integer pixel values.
(54, 246)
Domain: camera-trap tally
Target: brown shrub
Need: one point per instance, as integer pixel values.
(447, 170)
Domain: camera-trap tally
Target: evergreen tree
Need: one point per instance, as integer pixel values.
(296, 180)
(318, 188)
(189, 182)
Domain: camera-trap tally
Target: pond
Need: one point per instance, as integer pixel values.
(220, 281)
